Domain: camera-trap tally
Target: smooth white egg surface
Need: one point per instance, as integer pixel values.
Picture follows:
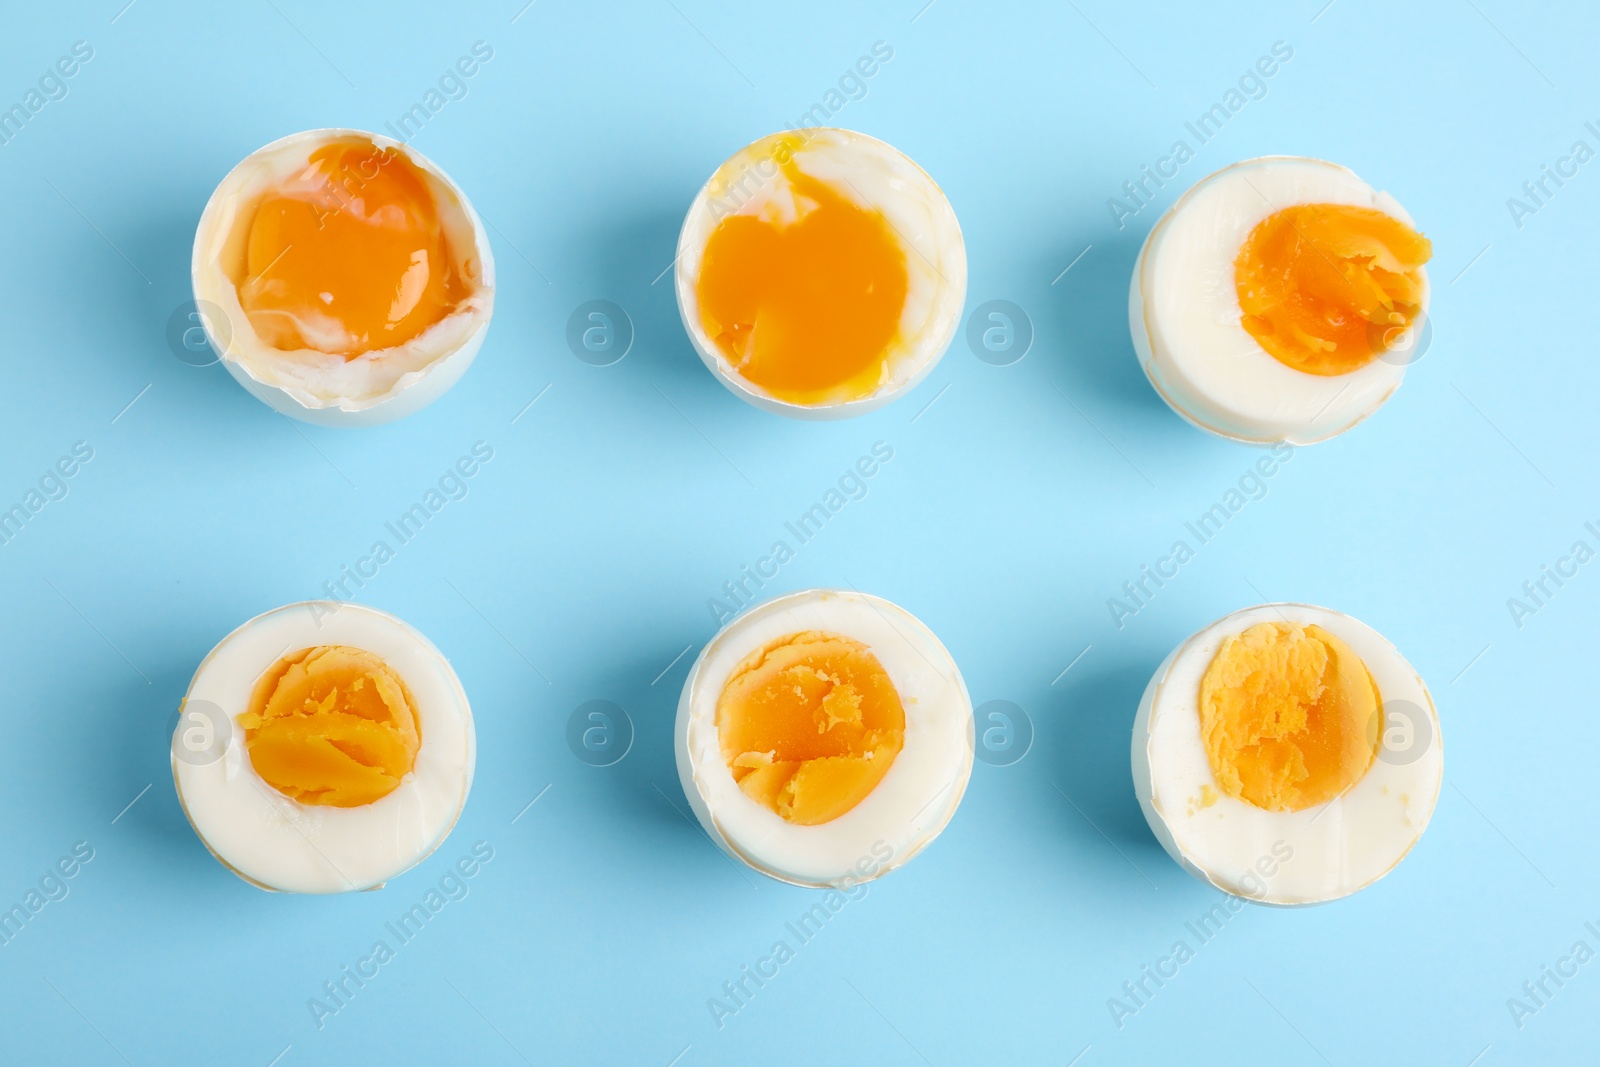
(321, 386)
(906, 809)
(1285, 857)
(279, 843)
(872, 175)
(1185, 314)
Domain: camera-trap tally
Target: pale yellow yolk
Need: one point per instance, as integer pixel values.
(809, 310)
(332, 725)
(809, 725)
(350, 257)
(1290, 717)
(1328, 288)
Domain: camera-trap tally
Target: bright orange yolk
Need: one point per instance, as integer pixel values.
(1328, 288)
(349, 256)
(809, 725)
(1290, 716)
(806, 310)
(332, 725)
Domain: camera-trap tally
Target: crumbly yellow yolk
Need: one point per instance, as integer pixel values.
(350, 256)
(809, 725)
(808, 309)
(1328, 288)
(1290, 716)
(332, 725)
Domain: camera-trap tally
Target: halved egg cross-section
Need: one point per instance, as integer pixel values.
(323, 747)
(1287, 754)
(342, 278)
(820, 273)
(824, 737)
(1280, 299)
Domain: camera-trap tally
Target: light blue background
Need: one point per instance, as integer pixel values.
(616, 506)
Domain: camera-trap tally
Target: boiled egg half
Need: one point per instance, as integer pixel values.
(1287, 754)
(342, 278)
(323, 747)
(824, 737)
(1280, 299)
(820, 273)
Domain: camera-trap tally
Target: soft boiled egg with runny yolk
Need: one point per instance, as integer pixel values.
(1280, 299)
(342, 277)
(323, 747)
(1288, 754)
(824, 737)
(820, 273)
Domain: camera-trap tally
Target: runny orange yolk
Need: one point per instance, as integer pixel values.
(1328, 288)
(807, 310)
(349, 256)
(1290, 717)
(809, 725)
(332, 725)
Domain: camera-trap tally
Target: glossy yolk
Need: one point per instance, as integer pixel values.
(1327, 288)
(1290, 716)
(806, 310)
(349, 255)
(809, 725)
(332, 725)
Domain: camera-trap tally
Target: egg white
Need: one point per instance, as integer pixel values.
(1337, 848)
(873, 175)
(908, 808)
(1183, 308)
(277, 843)
(314, 386)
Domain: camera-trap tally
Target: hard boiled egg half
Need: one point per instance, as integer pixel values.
(323, 747)
(820, 273)
(1287, 754)
(1280, 299)
(824, 737)
(342, 278)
